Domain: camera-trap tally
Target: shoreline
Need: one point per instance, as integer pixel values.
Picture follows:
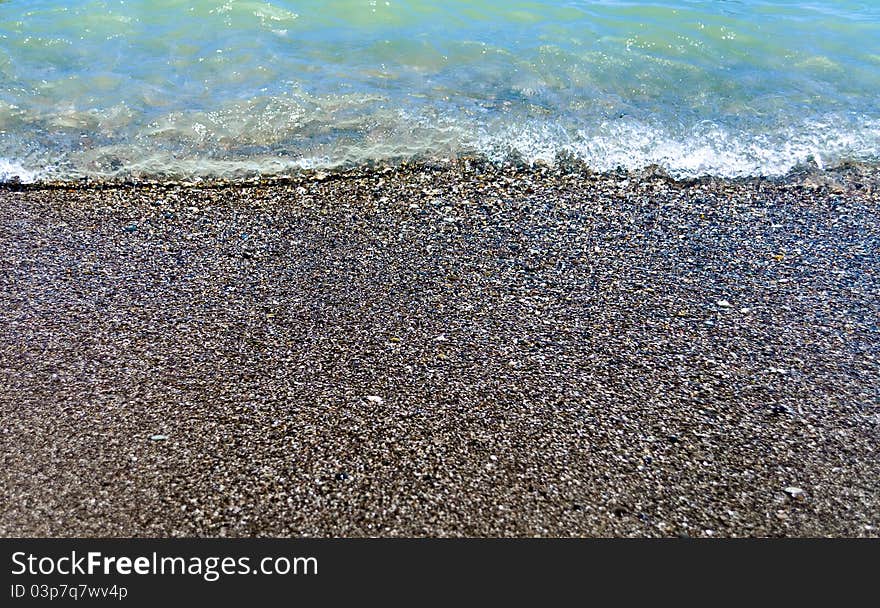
(846, 173)
(442, 350)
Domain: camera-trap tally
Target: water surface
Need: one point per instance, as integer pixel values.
(168, 88)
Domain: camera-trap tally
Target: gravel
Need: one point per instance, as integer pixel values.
(442, 350)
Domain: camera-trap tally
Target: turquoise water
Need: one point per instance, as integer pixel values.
(175, 89)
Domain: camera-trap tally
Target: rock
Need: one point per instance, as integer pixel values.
(158, 437)
(723, 303)
(795, 493)
(375, 399)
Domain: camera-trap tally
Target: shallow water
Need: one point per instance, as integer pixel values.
(180, 89)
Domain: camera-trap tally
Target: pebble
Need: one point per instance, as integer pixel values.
(282, 374)
(794, 492)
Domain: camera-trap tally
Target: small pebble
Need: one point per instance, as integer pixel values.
(795, 492)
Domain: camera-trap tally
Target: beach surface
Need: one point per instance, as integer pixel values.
(442, 350)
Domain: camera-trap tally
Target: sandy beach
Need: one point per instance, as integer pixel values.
(442, 350)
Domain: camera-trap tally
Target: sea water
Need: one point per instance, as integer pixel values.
(221, 89)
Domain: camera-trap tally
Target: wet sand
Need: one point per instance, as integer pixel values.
(442, 351)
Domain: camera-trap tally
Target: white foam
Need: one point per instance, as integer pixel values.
(704, 149)
(11, 170)
(707, 149)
